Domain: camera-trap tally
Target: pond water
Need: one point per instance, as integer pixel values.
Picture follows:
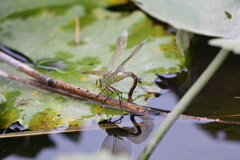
(187, 138)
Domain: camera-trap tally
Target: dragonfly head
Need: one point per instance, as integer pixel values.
(99, 83)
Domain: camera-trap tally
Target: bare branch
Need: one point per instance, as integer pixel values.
(44, 80)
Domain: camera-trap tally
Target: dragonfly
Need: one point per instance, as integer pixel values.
(109, 77)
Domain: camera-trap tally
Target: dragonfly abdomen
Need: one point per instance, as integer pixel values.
(107, 82)
(121, 75)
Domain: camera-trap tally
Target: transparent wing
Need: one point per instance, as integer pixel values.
(98, 72)
(116, 145)
(124, 65)
(119, 48)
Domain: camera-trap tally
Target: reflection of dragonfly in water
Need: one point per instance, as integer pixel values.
(110, 77)
(115, 143)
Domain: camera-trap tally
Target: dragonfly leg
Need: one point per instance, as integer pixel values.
(120, 119)
(118, 93)
(107, 89)
(100, 92)
(108, 95)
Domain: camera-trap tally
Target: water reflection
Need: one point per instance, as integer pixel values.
(221, 131)
(34, 147)
(24, 147)
(118, 140)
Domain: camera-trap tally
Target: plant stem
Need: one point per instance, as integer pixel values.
(183, 103)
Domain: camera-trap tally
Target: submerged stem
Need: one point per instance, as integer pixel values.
(183, 103)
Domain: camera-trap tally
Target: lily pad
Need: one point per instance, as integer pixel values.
(47, 35)
(207, 17)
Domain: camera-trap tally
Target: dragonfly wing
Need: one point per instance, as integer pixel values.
(98, 72)
(119, 48)
(124, 65)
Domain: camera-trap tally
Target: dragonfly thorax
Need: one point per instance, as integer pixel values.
(105, 82)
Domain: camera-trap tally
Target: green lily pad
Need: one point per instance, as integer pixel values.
(47, 35)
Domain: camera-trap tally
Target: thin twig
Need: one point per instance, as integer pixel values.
(47, 81)
(208, 119)
(36, 84)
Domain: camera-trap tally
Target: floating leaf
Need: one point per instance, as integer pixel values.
(208, 17)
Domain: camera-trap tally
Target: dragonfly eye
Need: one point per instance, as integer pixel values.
(99, 83)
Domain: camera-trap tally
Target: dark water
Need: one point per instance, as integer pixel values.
(187, 139)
